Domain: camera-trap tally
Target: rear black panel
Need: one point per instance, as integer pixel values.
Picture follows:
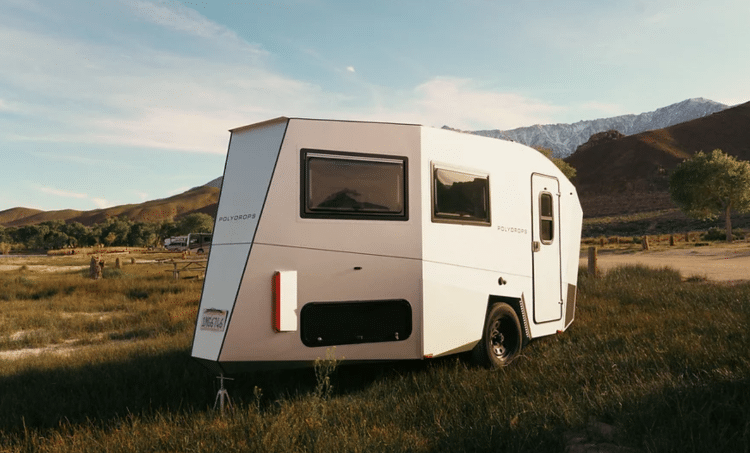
(334, 323)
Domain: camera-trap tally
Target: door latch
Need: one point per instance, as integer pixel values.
(536, 246)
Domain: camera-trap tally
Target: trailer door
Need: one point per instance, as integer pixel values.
(545, 256)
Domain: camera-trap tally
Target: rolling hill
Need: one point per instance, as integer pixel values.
(625, 174)
(200, 199)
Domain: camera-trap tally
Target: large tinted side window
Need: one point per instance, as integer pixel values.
(460, 197)
(355, 186)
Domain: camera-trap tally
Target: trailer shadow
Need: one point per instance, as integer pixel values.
(97, 394)
(347, 378)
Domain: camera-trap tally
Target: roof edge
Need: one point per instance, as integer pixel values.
(287, 118)
(262, 123)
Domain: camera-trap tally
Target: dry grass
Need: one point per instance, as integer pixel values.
(61, 306)
(662, 361)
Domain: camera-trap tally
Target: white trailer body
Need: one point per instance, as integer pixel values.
(388, 241)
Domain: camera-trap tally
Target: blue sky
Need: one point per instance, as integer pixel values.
(117, 102)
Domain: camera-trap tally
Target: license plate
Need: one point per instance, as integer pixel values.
(213, 320)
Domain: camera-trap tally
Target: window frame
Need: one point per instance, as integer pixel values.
(543, 218)
(307, 213)
(454, 219)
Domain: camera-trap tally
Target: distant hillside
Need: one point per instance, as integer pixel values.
(563, 139)
(621, 174)
(13, 214)
(215, 182)
(200, 199)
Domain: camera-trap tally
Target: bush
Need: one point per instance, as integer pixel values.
(716, 234)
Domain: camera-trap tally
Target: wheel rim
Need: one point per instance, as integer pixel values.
(502, 343)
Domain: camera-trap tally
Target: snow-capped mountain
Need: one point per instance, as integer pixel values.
(563, 139)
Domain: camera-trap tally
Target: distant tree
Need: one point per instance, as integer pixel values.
(564, 167)
(38, 241)
(166, 229)
(142, 234)
(80, 234)
(5, 240)
(109, 239)
(25, 234)
(55, 240)
(707, 185)
(196, 223)
(114, 231)
(52, 235)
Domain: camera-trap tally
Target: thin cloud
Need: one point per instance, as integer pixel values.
(101, 203)
(179, 18)
(460, 103)
(187, 103)
(6, 106)
(76, 159)
(62, 193)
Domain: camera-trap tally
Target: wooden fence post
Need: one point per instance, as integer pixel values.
(644, 243)
(95, 269)
(592, 262)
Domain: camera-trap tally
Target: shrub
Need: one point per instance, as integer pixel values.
(716, 234)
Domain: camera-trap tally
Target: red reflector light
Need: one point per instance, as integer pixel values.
(277, 301)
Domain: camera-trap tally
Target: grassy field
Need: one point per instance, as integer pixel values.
(662, 362)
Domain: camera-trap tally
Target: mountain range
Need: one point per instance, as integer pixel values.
(616, 173)
(563, 139)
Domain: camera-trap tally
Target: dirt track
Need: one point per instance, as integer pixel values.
(719, 262)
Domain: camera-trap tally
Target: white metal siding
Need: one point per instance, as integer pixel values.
(324, 252)
(250, 161)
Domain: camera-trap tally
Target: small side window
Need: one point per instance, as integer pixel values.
(460, 197)
(546, 218)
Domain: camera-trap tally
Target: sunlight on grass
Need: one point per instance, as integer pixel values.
(662, 360)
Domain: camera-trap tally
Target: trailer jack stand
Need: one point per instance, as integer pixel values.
(222, 397)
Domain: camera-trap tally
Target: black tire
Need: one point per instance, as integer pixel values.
(200, 252)
(501, 338)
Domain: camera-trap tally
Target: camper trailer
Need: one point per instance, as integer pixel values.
(387, 241)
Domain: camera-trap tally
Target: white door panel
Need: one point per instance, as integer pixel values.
(545, 211)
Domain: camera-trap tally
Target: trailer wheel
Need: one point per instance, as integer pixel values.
(501, 339)
(200, 252)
